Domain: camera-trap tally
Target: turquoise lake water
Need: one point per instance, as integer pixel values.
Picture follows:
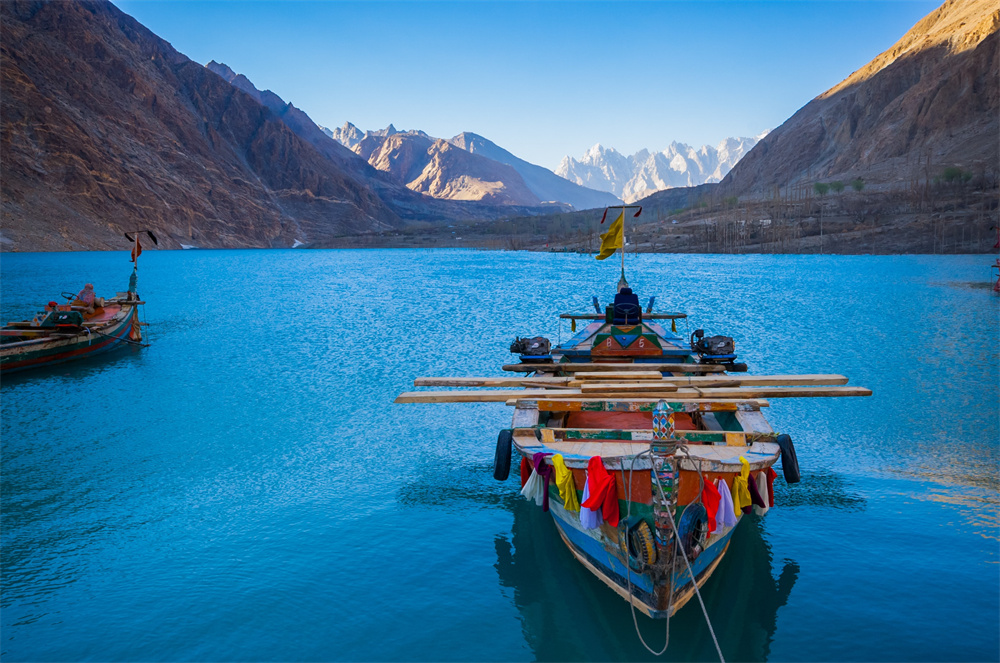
(245, 490)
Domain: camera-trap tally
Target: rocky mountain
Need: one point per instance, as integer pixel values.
(107, 128)
(929, 102)
(441, 170)
(541, 181)
(643, 173)
(485, 170)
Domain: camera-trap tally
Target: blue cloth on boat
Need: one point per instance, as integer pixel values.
(589, 518)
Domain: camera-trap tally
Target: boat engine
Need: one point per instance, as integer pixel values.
(716, 350)
(60, 318)
(534, 349)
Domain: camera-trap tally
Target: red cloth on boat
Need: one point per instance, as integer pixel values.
(770, 474)
(710, 497)
(544, 470)
(525, 470)
(603, 491)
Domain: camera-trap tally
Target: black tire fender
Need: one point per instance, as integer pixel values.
(789, 461)
(501, 462)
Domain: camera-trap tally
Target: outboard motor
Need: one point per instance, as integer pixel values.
(716, 350)
(532, 349)
(67, 319)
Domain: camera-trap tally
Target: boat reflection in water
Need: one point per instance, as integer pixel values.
(555, 596)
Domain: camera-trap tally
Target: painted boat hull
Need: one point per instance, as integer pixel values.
(598, 550)
(57, 351)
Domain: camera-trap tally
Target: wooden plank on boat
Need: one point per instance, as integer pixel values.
(602, 316)
(574, 367)
(648, 393)
(604, 387)
(618, 375)
(541, 382)
(774, 392)
(469, 396)
(730, 438)
(755, 380)
(639, 404)
(670, 381)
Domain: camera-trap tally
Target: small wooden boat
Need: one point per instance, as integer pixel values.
(76, 329)
(668, 424)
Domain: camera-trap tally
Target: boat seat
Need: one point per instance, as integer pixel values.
(627, 310)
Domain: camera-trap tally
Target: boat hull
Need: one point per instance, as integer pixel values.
(56, 351)
(602, 556)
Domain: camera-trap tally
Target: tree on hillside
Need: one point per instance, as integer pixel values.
(837, 186)
(858, 184)
(821, 188)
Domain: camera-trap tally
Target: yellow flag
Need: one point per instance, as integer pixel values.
(611, 241)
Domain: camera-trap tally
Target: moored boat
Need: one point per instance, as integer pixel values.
(647, 449)
(84, 326)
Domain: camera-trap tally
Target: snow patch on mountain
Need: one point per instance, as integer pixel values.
(637, 176)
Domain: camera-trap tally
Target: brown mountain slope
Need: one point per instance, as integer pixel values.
(439, 169)
(107, 128)
(929, 102)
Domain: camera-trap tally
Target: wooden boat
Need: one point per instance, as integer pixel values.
(666, 416)
(64, 332)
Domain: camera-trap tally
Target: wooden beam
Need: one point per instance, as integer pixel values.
(589, 388)
(572, 367)
(732, 438)
(712, 394)
(541, 382)
(633, 404)
(671, 381)
(617, 375)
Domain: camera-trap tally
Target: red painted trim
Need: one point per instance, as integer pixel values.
(105, 343)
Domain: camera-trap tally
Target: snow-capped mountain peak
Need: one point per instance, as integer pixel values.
(645, 172)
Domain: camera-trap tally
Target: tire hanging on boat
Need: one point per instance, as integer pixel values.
(693, 529)
(789, 461)
(501, 461)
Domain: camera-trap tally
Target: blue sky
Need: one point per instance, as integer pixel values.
(541, 79)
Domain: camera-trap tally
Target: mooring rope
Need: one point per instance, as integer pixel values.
(680, 546)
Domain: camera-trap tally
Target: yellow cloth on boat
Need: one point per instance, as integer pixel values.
(740, 490)
(611, 241)
(564, 481)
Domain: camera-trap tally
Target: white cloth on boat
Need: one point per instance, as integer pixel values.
(726, 515)
(534, 488)
(589, 518)
(762, 489)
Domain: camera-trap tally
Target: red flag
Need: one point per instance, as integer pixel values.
(136, 250)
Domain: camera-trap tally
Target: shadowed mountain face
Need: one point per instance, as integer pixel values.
(927, 103)
(108, 128)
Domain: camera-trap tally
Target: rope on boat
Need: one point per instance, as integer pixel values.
(123, 339)
(680, 546)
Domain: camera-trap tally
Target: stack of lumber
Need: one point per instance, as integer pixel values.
(632, 385)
